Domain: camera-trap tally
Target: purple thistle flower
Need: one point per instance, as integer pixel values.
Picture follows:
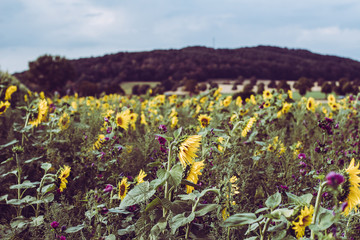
(163, 128)
(106, 119)
(302, 172)
(302, 156)
(303, 164)
(63, 228)
(62, 238)
(104, 211)
(334, 179)
(161, 140)
(109, 129)
(108, 188)
(284, 187)
(317, 149)
(54, 224)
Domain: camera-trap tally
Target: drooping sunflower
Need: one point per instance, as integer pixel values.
(98, 143)
(227, 101)
(4, 106)
(248, 127)
(143, 119)
(174, 121)
(204, 120)
(193, 175)
(42, 113)
(9, 91)
(123, 188)
(267, 94)
(133, 118)
(141, 176)
(304, 220)
(310, 105)
(64, 174)
(123, 119)
(64, 121)
(351, 191)
(188, 148)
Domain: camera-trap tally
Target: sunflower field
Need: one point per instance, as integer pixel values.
(207, 166)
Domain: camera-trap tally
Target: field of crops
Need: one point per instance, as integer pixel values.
(178, 167)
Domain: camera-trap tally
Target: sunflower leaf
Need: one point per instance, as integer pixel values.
(176, 175)
(180, 220)
(273, 201)
(177, 133)
(138, 194)
(240, 219)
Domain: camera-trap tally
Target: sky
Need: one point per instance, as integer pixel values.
(90, 28)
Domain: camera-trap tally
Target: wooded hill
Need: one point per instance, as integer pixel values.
(201, 64)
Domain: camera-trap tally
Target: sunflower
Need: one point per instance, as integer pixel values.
(64, 121)
(4, 106)
(64, 174)
(143, 119)
(188, 148)
(100, 140)
(310, 105)
(243, 111)
(123, 119)
(123, 188)
(331, 98)
(248, 127)
(141, 176)
(334, 106)
(351, 191)
(42, 113)
(204, 120)
(239, 101)
(227, 101)
(267, 104)
(9, 92)
(267, 94)
(174, 121)
(305, 219)
(133, 118)
(290, 93)
(193, 175)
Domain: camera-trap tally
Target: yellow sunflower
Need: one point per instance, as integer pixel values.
(267, 94)
(334, 106)
(143, 119)
(123, 119)
(9, 91)
(204, 120)
(188, 148)
(100, 140)
(141, 176)
(227, 101)
(4, 106)
(193, 175)
(64, 121)
(239, 101)
(267, 104)
(174, 121)
(243, 111)
(351, 187)
(310, 105)
(64, 174)
(290, 93)
(123, 188)
(331, 98)
(42, 113)
(133, 118)
(305, 219)
(248, 127)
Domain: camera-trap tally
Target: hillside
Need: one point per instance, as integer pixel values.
(203, 63)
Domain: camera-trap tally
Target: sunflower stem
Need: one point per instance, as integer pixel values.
(317, 206)
(167, 183)
(263, 233)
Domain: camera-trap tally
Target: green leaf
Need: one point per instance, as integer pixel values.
(37, 221)
(8, 173)
(180, 220)
(153, 204)
(138, 194)
(261, 210)
(33, 159)
(118, 210)
(26, 184)
(20, 222)
(176, 175)
(48, 198)
(203, 209)
(240, 219)
(325, 220)
(8, 144)
(110, 237)
(154, 164)
(177, 132)
(158, 228)
(306, 198)
(192, 196)
(273, 201)
(279, 235)
(75, 229)
(46, 166)
(4, 197)
(48, 188)
(127, 230)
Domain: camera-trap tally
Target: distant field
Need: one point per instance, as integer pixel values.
(127, 86)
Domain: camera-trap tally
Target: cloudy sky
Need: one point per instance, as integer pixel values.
(85, 28)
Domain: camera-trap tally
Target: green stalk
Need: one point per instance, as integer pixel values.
(23, 134)
(263, 233)
(19, 182)
(317, 206)
(166, 183)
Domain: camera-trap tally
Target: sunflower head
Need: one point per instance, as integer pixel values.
(350, 188)
(188, 148)
(141, 176)
(4, 106)
(123, 119)
(204, 120)
(65, 172)
(123, 188)
(64, 121)
(267, 94)
(193, 175)
(304, 220)
(9, 91)
(310, 105)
